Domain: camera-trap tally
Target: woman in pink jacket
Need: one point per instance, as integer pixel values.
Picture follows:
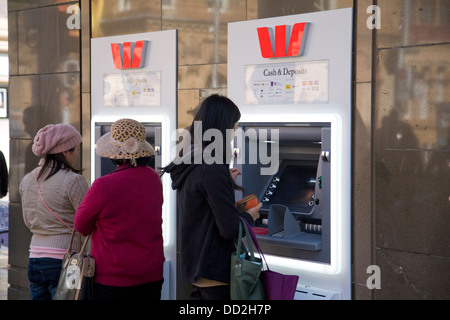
(123, 212)
(50, 195)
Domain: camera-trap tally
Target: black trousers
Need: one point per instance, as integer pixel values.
(146, 291)
(211, 293)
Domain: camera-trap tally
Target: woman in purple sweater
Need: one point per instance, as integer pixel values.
(123, 211)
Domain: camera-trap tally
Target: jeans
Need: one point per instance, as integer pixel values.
(43, 274)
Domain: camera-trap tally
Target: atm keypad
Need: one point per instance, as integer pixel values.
(270, 189)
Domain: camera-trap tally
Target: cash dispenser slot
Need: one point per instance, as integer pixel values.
(294, 218)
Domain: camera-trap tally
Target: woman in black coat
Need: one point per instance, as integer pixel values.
(3, 176)
(209, 220)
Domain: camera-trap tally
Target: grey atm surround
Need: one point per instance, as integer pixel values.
(104, 166)
(296, 199)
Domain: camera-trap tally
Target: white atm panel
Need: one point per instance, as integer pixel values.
(135, 76)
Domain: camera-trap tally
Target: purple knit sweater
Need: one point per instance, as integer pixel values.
(123, 211)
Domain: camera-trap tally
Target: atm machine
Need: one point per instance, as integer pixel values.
(135, 76)
(290, 77)
(295, 220)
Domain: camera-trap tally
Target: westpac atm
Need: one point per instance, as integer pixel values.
(295, 217)
(291, 79)
(135, 76)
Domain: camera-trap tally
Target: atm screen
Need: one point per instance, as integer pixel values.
(295, 188)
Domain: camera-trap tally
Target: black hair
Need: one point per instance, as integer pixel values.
(140, 162)
(57, 162)
(216, 112)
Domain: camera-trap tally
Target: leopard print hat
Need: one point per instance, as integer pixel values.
(125, 141)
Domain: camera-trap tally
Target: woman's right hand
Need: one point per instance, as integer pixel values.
(254, 212)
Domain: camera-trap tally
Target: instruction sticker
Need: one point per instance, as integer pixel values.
(287, 83)
(142, 89)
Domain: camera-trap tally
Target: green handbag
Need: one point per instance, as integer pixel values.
(245, 280)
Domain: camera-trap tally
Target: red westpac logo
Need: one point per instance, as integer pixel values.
(296, 40)
(129, 55)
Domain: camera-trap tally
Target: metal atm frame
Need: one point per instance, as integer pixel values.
(308, 83)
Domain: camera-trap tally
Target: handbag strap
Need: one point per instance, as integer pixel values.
(239, 241)
(252, 234)
(83, 247)
(69, 249)
(251, 243)
(45, 204)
